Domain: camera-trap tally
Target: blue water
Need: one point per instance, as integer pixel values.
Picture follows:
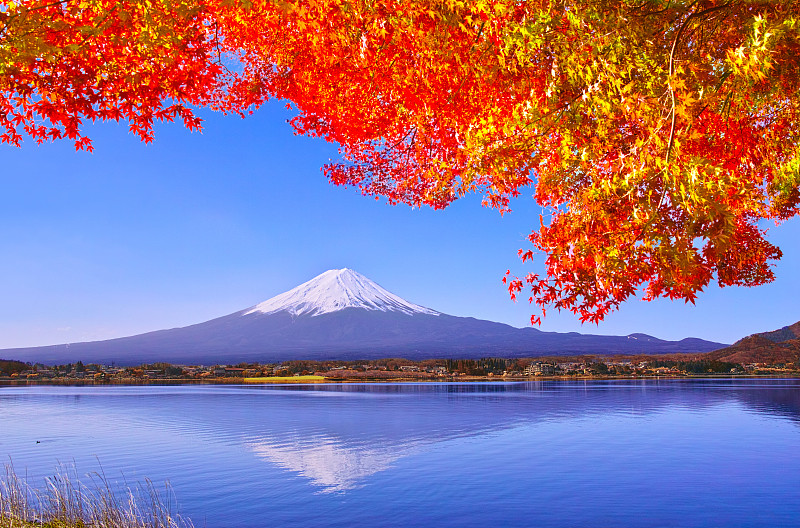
(650, 453)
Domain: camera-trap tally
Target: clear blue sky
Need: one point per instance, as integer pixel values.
(138, 237)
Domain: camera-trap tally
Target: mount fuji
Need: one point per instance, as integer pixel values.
(337, 290)
(341, 314)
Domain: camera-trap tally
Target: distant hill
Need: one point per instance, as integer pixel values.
(343, 315)
(787, 333)
(777, 346)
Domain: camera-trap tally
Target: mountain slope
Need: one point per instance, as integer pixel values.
(782, 334)
(777, 346)
(336, 290)
(343, 315)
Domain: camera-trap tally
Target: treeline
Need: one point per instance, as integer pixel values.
(298, 366)
(487, 366)
(702, 366)
(167, 368)
(68, 368)
(10, 366)
(478, 367)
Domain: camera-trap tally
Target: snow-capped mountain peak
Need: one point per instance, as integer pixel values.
(336, 290)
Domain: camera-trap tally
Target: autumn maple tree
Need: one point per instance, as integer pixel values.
(65, 62)
(657, 136)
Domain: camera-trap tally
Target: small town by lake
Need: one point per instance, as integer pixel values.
(397, 369)
(598, 452)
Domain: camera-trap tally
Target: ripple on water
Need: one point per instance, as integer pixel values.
(621, 453)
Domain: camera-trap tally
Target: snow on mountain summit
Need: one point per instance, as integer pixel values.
(336, 290)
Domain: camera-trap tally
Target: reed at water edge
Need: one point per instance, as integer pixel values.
(66, 502)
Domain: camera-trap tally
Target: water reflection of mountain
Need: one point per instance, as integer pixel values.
(328, 462)
(338, 448)
(338, 436)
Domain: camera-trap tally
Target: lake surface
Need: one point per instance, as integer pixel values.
(552, 453)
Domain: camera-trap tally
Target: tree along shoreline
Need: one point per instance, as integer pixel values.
(329, 381)
(397, 370)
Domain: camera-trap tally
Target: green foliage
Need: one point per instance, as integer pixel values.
(10, 366)
(159, 365)
(476, 367)
(702, 366)
(598, 366)
(173, 371)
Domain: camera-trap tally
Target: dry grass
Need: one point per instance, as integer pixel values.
(66, 502)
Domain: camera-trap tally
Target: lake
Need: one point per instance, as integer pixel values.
(616, 453)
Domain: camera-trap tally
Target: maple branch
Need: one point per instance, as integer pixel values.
(403, 139)
(464, 78)
(672, 69)
(672, 125)
(648, 13)
(28, 33)
(27, 10)
(560, 109)
(100, 22)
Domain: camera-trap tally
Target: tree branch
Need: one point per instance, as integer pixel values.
(672, 69)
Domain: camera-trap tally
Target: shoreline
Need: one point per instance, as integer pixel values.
(320, 380)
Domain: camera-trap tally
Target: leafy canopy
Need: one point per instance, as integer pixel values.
(62, 62)
(657, 135)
